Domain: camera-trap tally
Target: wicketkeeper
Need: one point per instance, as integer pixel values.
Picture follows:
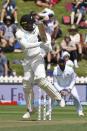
(34, 72)
(64, 79)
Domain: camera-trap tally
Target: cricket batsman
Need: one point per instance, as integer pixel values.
(64, 79)
(34, 70)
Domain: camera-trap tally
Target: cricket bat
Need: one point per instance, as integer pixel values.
(42, 31)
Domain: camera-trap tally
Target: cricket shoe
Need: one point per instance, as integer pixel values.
(62, 103)
(26, 115)
(80, 113)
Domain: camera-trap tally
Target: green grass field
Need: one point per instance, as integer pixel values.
(63, 119)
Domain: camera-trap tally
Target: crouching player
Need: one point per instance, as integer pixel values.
(34, 70)
(64, 79)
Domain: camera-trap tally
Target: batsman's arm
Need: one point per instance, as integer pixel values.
(24, 43)
(46, 45)
(27, 45)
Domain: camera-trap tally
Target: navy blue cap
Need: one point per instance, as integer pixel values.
(61, 59)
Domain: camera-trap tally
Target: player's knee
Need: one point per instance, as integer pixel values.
(28, 90)
(27, 85)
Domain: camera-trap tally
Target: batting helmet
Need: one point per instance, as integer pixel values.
(27, 22)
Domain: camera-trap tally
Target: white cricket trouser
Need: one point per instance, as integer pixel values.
(34, 72)
(74, 93)
(76, 98)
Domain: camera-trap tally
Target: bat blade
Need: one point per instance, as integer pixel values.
(42, 31)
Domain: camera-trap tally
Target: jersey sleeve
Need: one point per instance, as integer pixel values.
(46, 45)
(24, 42)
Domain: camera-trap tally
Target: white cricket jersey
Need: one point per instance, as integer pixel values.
(29, 42)
(64, 79)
